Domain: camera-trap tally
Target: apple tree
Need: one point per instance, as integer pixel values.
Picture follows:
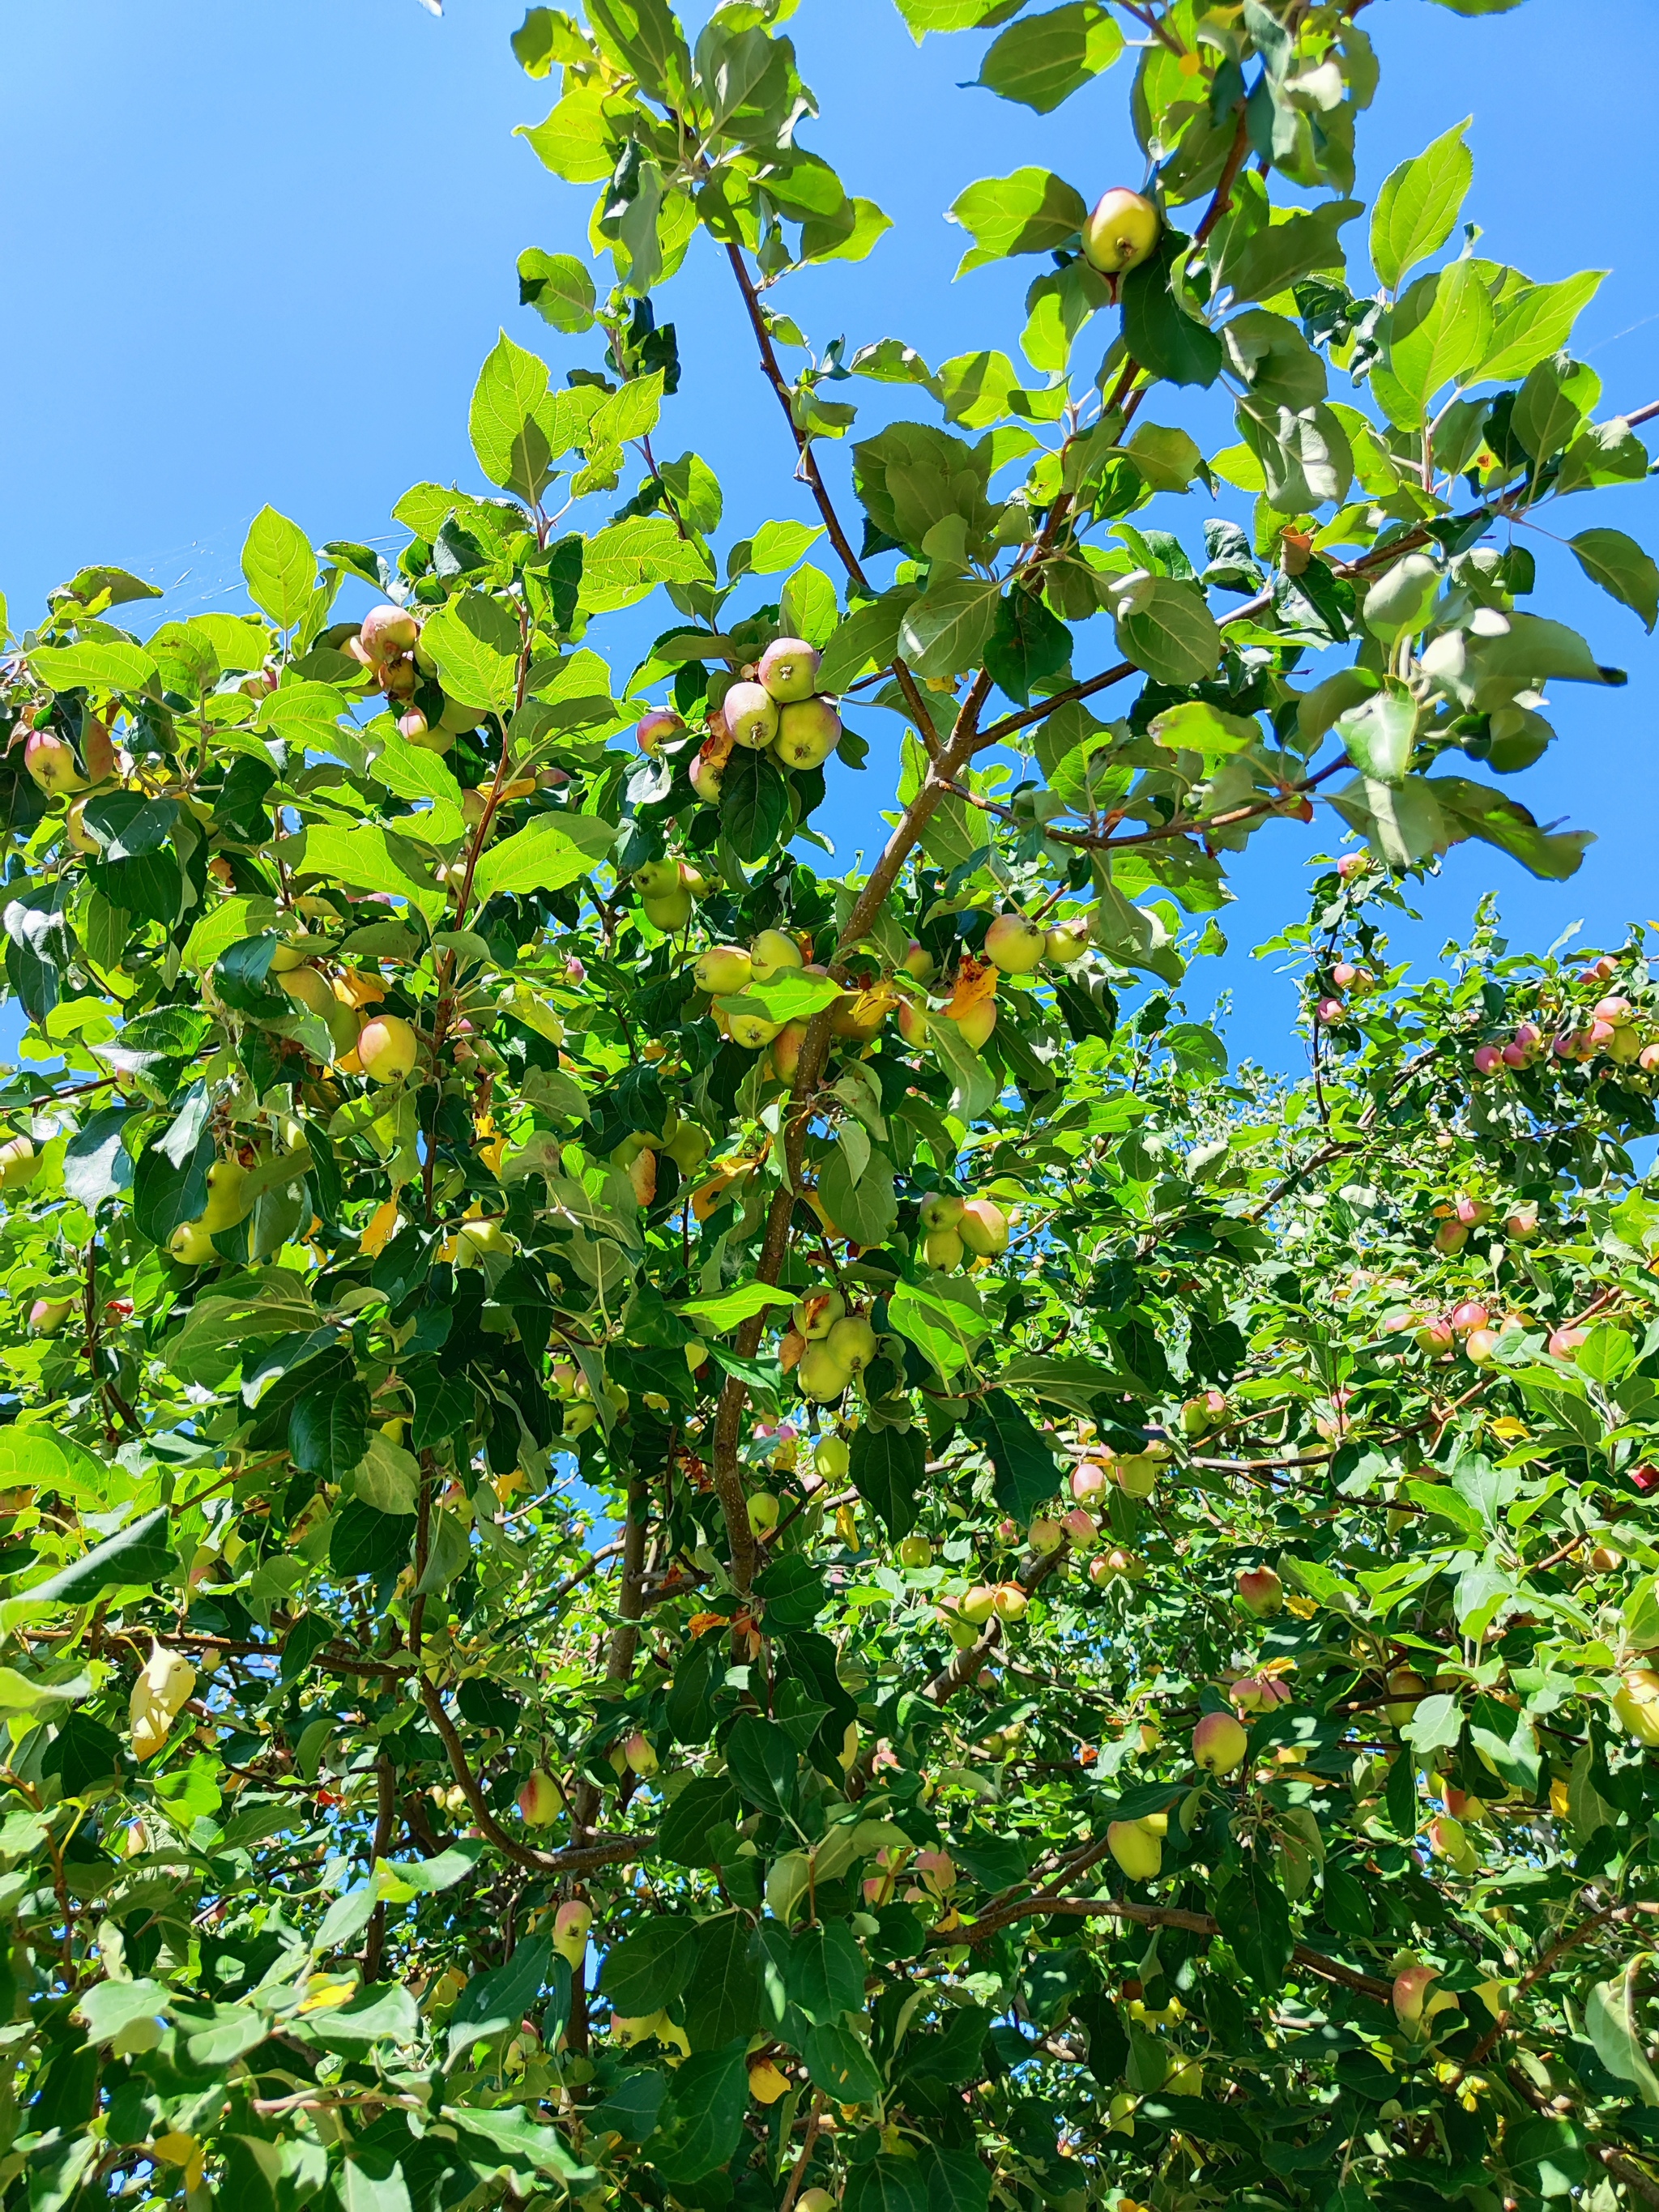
(686, 1531)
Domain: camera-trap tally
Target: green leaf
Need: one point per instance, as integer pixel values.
(1619, 566)
(723, 1987)
(826, 1971)
(166, 1192)
(944, 1329)
(1613, 2026)
(1043, 59)
(947, 630)
(1435, 335)
(476, 643)
(726, 1309)
(506, 421)
(1026, 1473)
(1032, 211)
(1474, 810)
(577, 141)
(1028, 646)
(957, 2180)
(1172, 634)
(754, 804)
(279, 567)
(362, 856)
(865, 1209)
(493, 2003)
(1269, 261)
(761, 1761)
(776, 546)
(649, 1969)
(1534, 322)
(1304, 459)
(706, 1802)
(1551, 406)
(558, 287)
(93, 666)
(887, 1467)
(1419, 204)
(328, 1432)
(643, 36)
(1158, 331)
(1379, 735)
(555, 849)
(136, 1556)
(839, 2064)
(701, 2121)
(867, 636)
(921, 17)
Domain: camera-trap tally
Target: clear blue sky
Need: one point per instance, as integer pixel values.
(259, 253)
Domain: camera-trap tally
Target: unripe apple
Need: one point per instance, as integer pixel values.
(1089, 1483)
(815, 2200)
(1435, 1338)
(640, 1754)
(943, 1249)
(808, 733)
(788, 670)
(1260, 1591)
(1347, 977)
(1565, 1342)
(1201, 1414)
(915, 1025)
(1399, 601)
(919, 962)
(1351, 864)
(752, 1032)
(821, 1377)
(978, 1604)
(762, 1512)
(1010, 1600)
(1066, 944)
(386, 631)
(1468, 1315)
(1604, 1560)
(940, 1209)
(1448, 1840)
(657, 728)
(852, 1343)
(192, 1245)
(387, 1048)
(656, 878)
(1636, 1703)
(688, 1147)
(1139, 1854)
(1121, 232)
(1481, 1345)
(1015, 945)
(47, 1315)
(1411, 1988)
(18, 1162)
(225, 1206)
(80, 839)
(785, 1050)
(1136, 1476)
(1328, 1011)
(914, 1551)
(1473, 1212)
(477, 1241)
(817, 1313)
(1450, 1236)
(983, 1227)
(670, 912)
(975, 1023)
(1080, 1530)
(1219, 1743)
(771, 953)
(723, 970)
(831, 1457)
(1046, 1534)
(1407, 1687)
(751, 714)
(50, 762)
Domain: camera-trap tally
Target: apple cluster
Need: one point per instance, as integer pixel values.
(774, 707)
(388, 646)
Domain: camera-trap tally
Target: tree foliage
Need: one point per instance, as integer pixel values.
(684, 1531)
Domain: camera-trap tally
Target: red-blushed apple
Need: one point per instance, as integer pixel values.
(47, 1315)
(1080, 1530)
(1120, 233)
(1046, 1534)
(540, 1801)
(983, 1227)
(1488, 1058)
(789, 669)
(387, 1048)
(1260, 1591)
(1206, 1412)
(1411, 1988)
(707, 778)
(751, 714)
(1138, 1852)
(1435, 1338)
(1564, 1343)
(1259, 1694)
(640, 1754)
(1351, 864)
(978, 1604)
(1219, 1743)
(1448, 1840)
(975, 1022)
(1011, 1602)
(656, 728)
(1469, 1314)
(1450, 1236)
(723, 971)
(1473, 1212)
(919, 962)
(1088, 1482)
(570, 1925)
(1328, 1011)
(50, 760)
(386, 631)
(1481, 1345)
(1016, 944)
(785, 1050)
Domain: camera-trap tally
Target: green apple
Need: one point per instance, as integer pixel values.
(853, 1342)
(915, 1551)
(1219, 1743)
(983, 1227)
(789, 669)
(808, 733)
(820, 1375)
(751, 715)
(771, 953)
(387, 1048)
(1121, 232)
(1138, 1852)
(1015, 945)
(722, 971)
